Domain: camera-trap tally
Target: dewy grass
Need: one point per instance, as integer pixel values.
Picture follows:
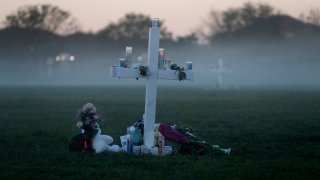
(273, 134)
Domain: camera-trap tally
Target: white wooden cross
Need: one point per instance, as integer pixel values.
(153, 74)
(220, 68)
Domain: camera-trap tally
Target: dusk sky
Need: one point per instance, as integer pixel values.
(181, 16)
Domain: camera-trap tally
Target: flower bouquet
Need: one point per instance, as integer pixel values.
(88, 129)
(197, 145)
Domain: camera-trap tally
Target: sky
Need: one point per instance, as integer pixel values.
(180, 16)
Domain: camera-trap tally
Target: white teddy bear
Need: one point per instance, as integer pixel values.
(89, 138)
(102, 142)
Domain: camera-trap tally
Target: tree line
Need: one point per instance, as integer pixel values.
(133, 27)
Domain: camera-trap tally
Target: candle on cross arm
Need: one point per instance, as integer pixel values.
(128, 56)
(162, 55)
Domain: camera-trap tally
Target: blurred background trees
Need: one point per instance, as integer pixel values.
(234, 19)
(45, 17)
(132, 28)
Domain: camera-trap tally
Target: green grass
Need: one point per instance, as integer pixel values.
(274, 134)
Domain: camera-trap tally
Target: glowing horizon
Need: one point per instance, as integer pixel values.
(180, 16)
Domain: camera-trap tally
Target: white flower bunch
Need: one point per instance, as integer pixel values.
(79, 124)
(89, 108)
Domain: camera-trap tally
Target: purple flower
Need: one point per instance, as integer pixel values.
(87, 121)
(97, 117)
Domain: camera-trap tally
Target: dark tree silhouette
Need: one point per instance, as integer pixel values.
(132, 27)
(231, 20)
(234, 19)
(188, 39)
(46, 17)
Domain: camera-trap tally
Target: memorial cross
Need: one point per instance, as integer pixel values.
(154, 72)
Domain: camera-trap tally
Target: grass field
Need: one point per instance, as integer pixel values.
(274, 134)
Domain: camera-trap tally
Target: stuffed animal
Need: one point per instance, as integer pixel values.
(88, 138)
(102, 142)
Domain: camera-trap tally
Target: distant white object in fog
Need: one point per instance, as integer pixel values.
(64, 60)
(220, 68)
(50, 62)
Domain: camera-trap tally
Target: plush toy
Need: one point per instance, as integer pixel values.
(102, 142)
(88, 138)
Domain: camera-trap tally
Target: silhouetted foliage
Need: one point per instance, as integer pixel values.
(234, 19)
(132, 28)
(188, 39)
(273, 28)
(46, 17)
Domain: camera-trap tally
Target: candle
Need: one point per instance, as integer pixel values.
(189, 65)
(122, 62)
(167, 63)
(128, 56)
(162, 55)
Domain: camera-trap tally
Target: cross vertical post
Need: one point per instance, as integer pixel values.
(151, 87)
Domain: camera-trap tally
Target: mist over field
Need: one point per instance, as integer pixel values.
(257, 46)
(251, 64)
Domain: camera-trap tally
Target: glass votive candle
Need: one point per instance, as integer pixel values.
(122, 62)
(189, 65)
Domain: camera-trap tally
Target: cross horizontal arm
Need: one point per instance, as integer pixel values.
(135, 73)
(121, 72)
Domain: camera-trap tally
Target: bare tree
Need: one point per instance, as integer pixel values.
(265, 10)
(232, 20)
(46, 17)
(212, 25)
(312, 17)
(248, 14)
